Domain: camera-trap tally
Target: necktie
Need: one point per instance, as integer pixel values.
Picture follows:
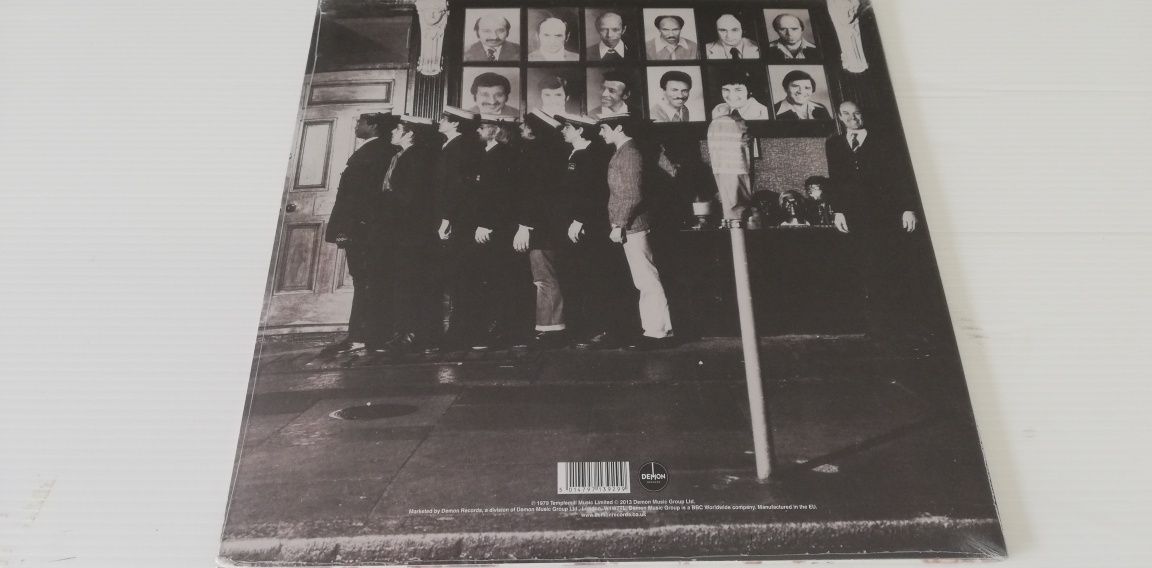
(855, 141)
(491, 54)
(682, 115)
(612, 55)
(388, 176)
(735, 53)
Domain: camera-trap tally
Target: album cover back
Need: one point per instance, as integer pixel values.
(603, 280)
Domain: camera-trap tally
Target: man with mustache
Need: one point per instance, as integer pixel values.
(492, 41)
(490, 91)
(672, 106)
(669, 45)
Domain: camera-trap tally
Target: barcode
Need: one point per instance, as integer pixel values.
(592, 477)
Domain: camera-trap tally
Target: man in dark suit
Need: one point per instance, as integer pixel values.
(454, 179)
(492, 41)
(497, 276)
(798, 103)
(611, 28)
(874, 198)
(356, 226)
(540, 232)
(408, 212)
(791, 46)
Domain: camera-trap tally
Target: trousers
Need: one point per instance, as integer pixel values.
(549, 296)
(655, 318)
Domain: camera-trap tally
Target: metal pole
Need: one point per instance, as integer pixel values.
(761, 435)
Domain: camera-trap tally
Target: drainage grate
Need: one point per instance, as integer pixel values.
(373, 411)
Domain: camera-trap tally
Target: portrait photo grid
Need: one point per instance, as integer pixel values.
(671, 61)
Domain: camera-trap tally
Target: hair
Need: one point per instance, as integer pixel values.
(675, 76)
(679, 20)
(381, 122)
(776, 20)
(628, 124)
(420, 133)
(816, 180)
(606, 13)
(550, 16)
(504, 133)
(797, 75)
(619, 77)
(736, 77)
(476, 26)
(461, 123)
(552, 82)
(490, 79)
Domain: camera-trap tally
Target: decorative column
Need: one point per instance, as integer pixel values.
(428, 81)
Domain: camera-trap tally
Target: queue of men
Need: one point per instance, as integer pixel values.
(498, 217)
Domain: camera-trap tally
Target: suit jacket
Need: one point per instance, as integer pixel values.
(584, 186)
(594, 52)
(454, 177)
(408, 207)
(538, 195)
(492, 202)
(819, 112)
(509, 52)
(356, 213)
(625, 184)
(871, 186)
(775, 55)
(748, 50)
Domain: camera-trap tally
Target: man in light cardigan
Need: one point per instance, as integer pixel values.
(630, 228)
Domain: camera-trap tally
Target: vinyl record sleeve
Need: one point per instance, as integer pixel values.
(603, 281)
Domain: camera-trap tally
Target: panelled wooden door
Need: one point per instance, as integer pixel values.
(310, 288)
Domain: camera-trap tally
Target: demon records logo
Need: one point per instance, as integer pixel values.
(653, 476)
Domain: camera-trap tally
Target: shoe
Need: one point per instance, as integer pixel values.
(490, 342)
(349, 347)
(645, 343)
(550, 339)
(602, 340)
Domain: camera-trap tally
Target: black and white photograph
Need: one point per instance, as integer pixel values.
(554, 34)
(614, 90)
(670, 34)
(676, 94)
(740, 89)
(556, 90)
(537, 293)
(799, 92)
(492, 34)
(491, 90)
(611, 34)
(728, 32)
(790, 36)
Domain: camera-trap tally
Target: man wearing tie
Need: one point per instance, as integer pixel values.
(492, 41)
(875, 202)
(672, 106)
(730, 42)
(611, 28)
(453, 180)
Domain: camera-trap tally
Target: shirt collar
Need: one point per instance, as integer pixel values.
(491, 144)
(804, 44)
(496, 54)
(451, 137)
(604, 49)
(800, 110)
(861, 135)
(664, 46)
(669, 109)
(580, 144)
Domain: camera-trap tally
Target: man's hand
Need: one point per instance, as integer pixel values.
(909, 221)
(575, 231)
(483, 235)
(617, 235)
(520, 241)
(841, 222)
(445, 229)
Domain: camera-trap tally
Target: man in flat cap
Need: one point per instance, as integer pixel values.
(356, 226)
(631, 227)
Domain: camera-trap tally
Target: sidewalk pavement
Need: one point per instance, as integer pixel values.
(871, 454)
